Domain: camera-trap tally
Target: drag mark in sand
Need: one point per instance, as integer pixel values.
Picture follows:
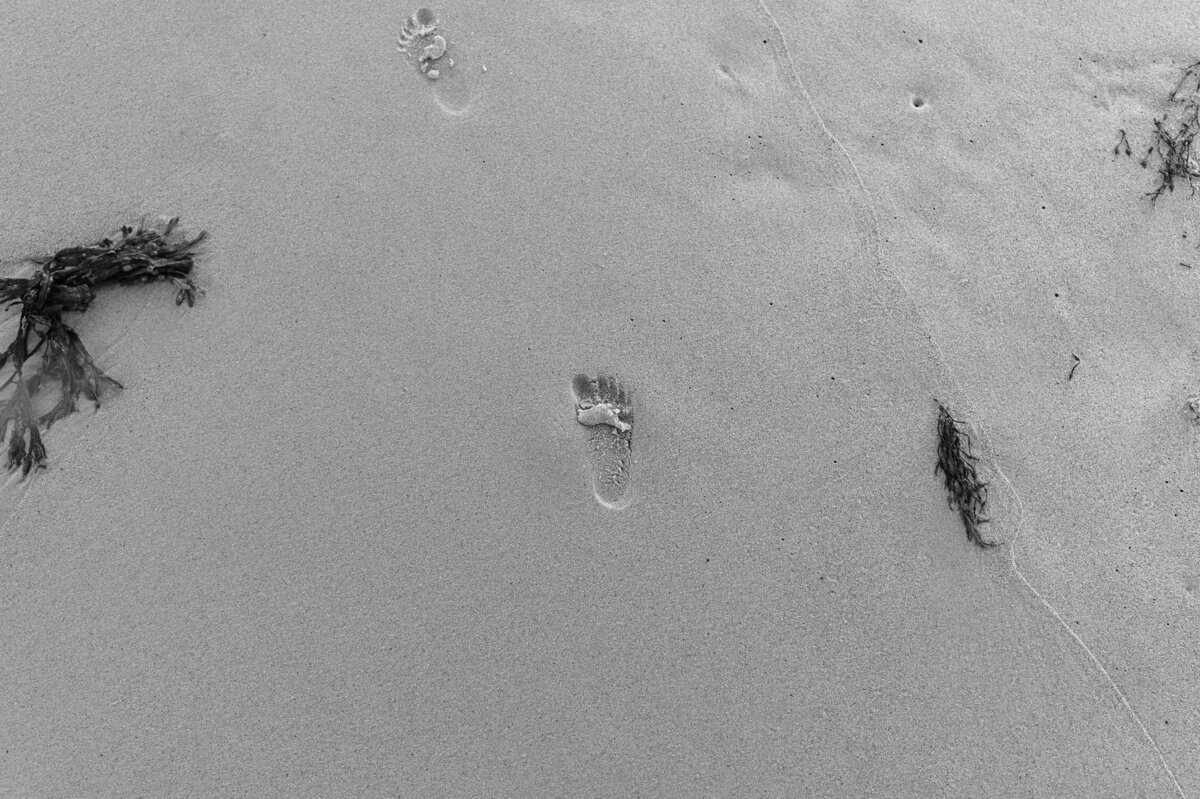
(1012, 554)
(603, 405)
(787, 67)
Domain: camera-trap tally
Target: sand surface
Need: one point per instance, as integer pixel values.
(337, 535)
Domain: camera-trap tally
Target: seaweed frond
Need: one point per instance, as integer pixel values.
(47, 352)
(966, 493)
(19, 426)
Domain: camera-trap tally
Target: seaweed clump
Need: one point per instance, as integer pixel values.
(1171, 150)
(966, 493)
(47, 352)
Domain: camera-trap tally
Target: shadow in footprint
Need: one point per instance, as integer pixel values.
(604, 406)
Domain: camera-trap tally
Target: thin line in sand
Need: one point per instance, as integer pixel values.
(1012, 552)
(783, 57)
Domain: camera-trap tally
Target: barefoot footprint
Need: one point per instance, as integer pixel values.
(419, 39)
(603, 405)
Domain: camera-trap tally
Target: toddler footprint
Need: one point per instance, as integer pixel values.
(429, 51)
(604, 406)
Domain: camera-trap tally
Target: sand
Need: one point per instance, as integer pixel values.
(337, 535)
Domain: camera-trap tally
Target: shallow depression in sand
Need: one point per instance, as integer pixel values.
(603, 406)
(445, 66)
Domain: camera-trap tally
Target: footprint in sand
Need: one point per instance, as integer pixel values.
(603, 405)
(441, 62)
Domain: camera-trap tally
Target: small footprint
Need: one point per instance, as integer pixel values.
(604, 406)
(1128, 86)
(430, 52)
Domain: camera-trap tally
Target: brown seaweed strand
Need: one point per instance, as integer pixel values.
(966, 493)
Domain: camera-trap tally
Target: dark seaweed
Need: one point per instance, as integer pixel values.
(47, 352)
(1122, 145)
(1171, 149)
(966, 493)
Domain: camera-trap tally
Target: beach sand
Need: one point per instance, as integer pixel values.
(337, 535)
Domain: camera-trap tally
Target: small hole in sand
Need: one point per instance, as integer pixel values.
(918, 102)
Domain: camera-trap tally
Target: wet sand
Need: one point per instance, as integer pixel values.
(338, 535)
